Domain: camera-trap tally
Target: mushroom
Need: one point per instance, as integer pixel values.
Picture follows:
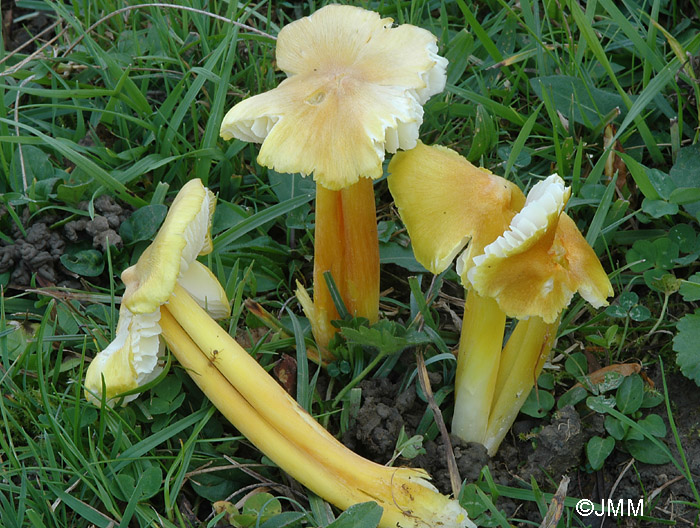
(355, 88)
(132, 359)
(447, 203)
(532, 272)
(167, 289)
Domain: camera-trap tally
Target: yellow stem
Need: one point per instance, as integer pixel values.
(522, 360)
(404, 493)
(295, 461)
(477, 366)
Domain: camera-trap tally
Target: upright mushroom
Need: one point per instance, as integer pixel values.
(355, 87)
(447, 203)
(532, 271)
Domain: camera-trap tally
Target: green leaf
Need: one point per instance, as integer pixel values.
(630, 394)
(617, 311)
(576, 100)
(88, 262)
(546, 381)
(684, 173)
(288, 186)
(572, 397)
(615, 427)
(686, 345)
(576, 365)
(659, 208)
(640, 313)
(457, 54)
(652, 398)
(284, 519)
(684, 235)
(646, 451)
(685, 195)
(36, 165)
(143, 223)
(262, 504)
(394, 253)
(470, 500)
(123, 486)
(661, 253)
(598, 449)
(363, 515)
(611, 380)
(150, 482)
(262, 217)
(483, 136)
(654, 425)
(628, 299)
(690, 289)
(72, 194)
(386, 336)
(408, 448)
(538, 403)
(600, 404)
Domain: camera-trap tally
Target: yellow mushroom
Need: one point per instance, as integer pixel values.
(532, 272)
(446, 204)
(355, 88)
(132, 359)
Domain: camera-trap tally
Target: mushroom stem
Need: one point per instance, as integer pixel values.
(278, 426)
(346, 245)
(478, 363)
(522, 360)
(298, 462)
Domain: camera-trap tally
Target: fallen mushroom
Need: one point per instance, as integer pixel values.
(270, 418)
(166, 294)
(532, 271)
(132, 359)
(355, 87)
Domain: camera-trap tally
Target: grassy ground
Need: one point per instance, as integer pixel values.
(127, 101)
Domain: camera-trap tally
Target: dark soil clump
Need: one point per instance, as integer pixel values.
(37, 252)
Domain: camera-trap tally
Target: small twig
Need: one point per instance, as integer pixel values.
(58, 501)
(30, 41)
(455, 479)
(168, 6)
(619, 478)
(262, 480)
(33, 56)
(663, 486)
(556, 507)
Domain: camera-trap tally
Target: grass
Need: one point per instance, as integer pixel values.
(126, 100)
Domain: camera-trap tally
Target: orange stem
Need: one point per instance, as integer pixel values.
(347, 245)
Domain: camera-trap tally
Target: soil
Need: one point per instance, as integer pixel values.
(20, 25)
(38, 252)
(544, 450)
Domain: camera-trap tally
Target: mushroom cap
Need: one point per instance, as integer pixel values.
(537, 265)
(131, 360)
(446, 202)
(354, 89)
(205, 289)
(185, 233)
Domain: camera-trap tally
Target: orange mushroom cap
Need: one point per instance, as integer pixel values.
(537, 265)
